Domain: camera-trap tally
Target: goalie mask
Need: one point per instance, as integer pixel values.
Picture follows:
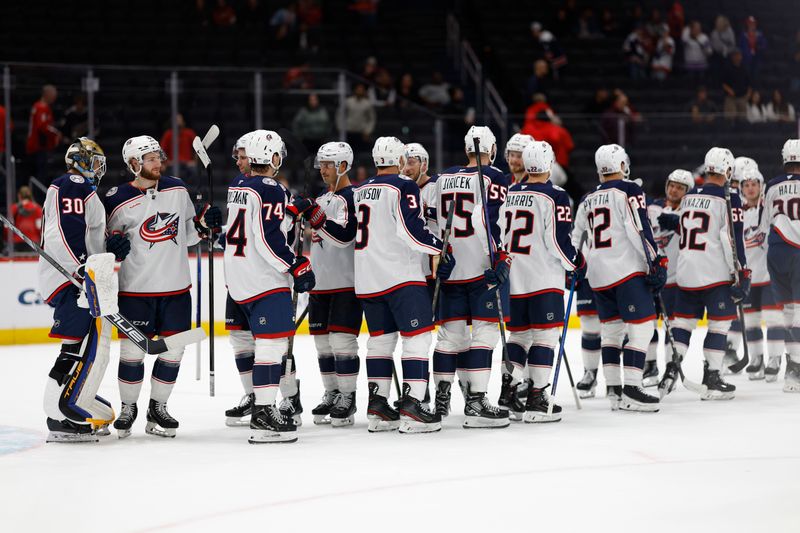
(86, 156)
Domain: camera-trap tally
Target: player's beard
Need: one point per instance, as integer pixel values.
(154, 175)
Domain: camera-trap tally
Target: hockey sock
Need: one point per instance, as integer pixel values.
(652, 348)
(267, 369)
(444, 366)
(345, 350)
(590, 341)
(325, 358)
(165, 372)
(612, 333)
(479, 361)
(791, 316)
(131, 371)
(379, 361)
(415, 363)
(519, 343)
(776, 332)
(540, 362)
(715, 343)
(755, 341)
(288, 381)
(682, 333)
(243, 345)
(452, 339)
(639, 338)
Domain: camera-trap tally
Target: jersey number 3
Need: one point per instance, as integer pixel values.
(362, 237)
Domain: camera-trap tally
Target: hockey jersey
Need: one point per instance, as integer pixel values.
(391, 235)
(430, 201)
(535, 221)
(458, 186)
(755, 246)
(332, 244)
(782, 209)
(705, 258)
(257, 252)
(159, 222)
(74, 227)
(666, 240)
(612, 215)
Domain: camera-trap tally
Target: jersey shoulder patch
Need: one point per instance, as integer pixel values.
(112, 191)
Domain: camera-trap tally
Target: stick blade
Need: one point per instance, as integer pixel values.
(184, 338)
(211, 135)
(200, 150)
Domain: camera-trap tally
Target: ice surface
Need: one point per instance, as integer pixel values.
(695, 466)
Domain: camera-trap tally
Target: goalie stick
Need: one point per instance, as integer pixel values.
(134, 334)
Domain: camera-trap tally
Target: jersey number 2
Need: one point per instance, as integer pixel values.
(599, 225)
(518, 233)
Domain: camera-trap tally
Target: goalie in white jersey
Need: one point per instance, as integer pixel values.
(706, 268)
(621, 275)
(390, 241)
(156, 214)
(535, 223)
(782, 215)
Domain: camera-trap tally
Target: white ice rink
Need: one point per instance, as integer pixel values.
(695, 466)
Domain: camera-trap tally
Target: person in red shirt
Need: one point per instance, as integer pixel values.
(543, 125)
(43, 135)
(3, 130)
(185, 151)
(27, 216)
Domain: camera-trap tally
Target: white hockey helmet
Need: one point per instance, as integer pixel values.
(388, 152)
(137, 147)
(538, 157)
(261, 145)
(338, 153)
(487, 143)
(740, 164)
(753, 174)
(517, 143)
(418, 151)
(612, 158)
(791, 151)
(681, 177)
(239, 145)
(719, 161)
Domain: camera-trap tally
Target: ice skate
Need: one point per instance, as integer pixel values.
(650, 374)
(587, 385)
(509, 400)
(480, 413)
(67, 431)
(635, 399)
(235, 417)
(127, 416)
(443, 398)
(322, 411)
(343, 410)
(159, 421)
(415, 417)
(291, 407)
(773, 368)
(381, 415)
(791, 380)
(537, 405)
(717, 388)
(755, 370)
(270, 426)
(614, 395)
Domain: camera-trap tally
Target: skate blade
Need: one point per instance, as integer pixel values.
(791, 387)
(541, 418)
(154, 429)
(717, 395)
(478, 422)
(635, 407)
(342, 422)
(515, 416)
(755, 376)
(102, 431)
(298, 420)
(70, 438)
(233, 422)
(378, 424)
(615, 404)
(263, 436)
(408, 425)
(651, 381)
(771, 378)
(123, 433)
(586, 394)
(322, 420)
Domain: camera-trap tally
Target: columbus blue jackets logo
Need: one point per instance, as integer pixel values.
(159, 228)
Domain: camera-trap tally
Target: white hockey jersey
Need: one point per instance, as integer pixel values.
(391, 235)
(458, 186)
(535, 223)
(755, 246)
(666, 240)
(332, 245)
(782, 209)
(73, 228)
(257, 251)
(159, 223)
(705, 259)
(611, 215)
(430, 201)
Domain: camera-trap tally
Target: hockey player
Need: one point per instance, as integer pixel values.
(620, 236)
(740, 165)
(390, 239)
(334, 311)
(782, 215)
(74, 228)
(469, 295)
(417, 168)
(535, 224)
(706, 267)
(156, 214)
(665, 228)
(513, 154)
(241, 338)
(259, 267)
(761, 300)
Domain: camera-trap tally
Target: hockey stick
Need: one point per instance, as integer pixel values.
(500, 322)
(561, 354)
(445, 243)
(737, 267)
(200, 150)
(125, 326)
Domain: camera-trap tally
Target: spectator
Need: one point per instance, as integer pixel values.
(539, 82)
(26, 214)
(723, 41)
(737, 88)
(371, 69)
(283, 23)
(42, 133)
(636, 48)
(436, 93)
(696, 50)
(618, 120)
(312, 123)
(359, 118)
(702, 108)
(676, 20)
(546, 47)
(382, 93)
(407, 91)
(543, 124)
(662, 59)
(587, 26)
(3, 130)
(76, 120)
(299, 77)
(186, 158)
(755, 110)
(656, 26)
(779, 110)
(753, 45)
(608, 23)
(223, 15)
(599, 102)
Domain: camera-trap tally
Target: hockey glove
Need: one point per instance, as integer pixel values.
(580, 270)
(119, 245)
(315, 216)
(742, 290)
(299, 206)
(209, 218)
(668, 221)
(303, 276)
(657, 277)
(446, 264)
(498, 274)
